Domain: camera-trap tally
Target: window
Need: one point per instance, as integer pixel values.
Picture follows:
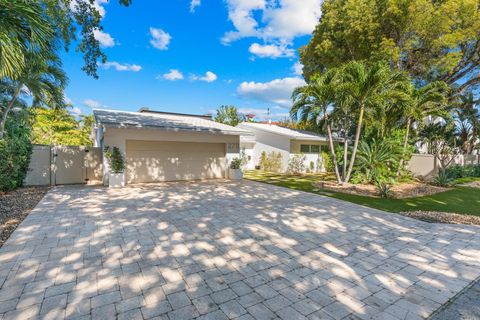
(325, 148)
(304, 148)
(314, 148)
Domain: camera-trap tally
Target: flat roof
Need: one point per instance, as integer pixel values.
(163, 121)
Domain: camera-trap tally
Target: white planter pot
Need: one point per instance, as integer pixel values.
(235, 174)
(116, 180)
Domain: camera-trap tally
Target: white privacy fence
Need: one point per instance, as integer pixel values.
(54, 165)
(427, 165)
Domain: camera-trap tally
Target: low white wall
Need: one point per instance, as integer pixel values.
(426, 165)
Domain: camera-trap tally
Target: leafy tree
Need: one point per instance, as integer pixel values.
(59, 127)
(431, 40)
(42, 78)
(228, 115)
(441, 140)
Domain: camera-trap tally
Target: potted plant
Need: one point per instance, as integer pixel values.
(235, 171)
(116, 176)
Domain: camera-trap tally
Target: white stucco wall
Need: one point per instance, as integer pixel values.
(117, 137)
(269, 142)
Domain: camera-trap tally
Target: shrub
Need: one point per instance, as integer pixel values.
(236, 163)
(458, 171)
(115, 159)
(296, 164)
(15, 152)
(271, 162)
(384, 190)
(327, 161)
(443, 179)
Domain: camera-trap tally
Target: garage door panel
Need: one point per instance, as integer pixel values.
(149, 161)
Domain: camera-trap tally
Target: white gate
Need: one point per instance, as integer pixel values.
(65, 165)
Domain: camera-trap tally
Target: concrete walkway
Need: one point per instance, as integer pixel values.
(219, 250)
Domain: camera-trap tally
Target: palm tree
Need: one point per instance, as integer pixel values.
(24, 29)
(370, 88)
(229, 115)
(42, 79)
(467, 119)
(429, 100)
(311, 103)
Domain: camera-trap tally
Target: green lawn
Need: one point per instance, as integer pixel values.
(461, 200)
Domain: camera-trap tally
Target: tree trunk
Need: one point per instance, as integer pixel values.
(332, 150)
(345, 150)
(355, 144)
(405, 143)
(7, 111)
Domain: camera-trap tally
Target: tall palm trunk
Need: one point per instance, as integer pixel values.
(355, 144)
(7, 111)
(405, 143)
(332, 149)
(345, 148)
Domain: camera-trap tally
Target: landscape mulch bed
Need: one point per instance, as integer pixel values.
(399, 191)
(15, 206)
(442, 217)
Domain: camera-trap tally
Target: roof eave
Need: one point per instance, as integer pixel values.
(212, 131)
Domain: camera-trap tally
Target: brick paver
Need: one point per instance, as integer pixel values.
(227, 250)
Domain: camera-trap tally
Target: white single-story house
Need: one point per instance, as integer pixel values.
(162, 146)
(288, 142)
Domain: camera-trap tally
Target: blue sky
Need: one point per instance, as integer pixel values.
(192, 56)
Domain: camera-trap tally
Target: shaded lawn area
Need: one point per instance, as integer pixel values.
(461, 200)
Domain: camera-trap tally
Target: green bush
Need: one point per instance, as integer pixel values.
(384, 190)
(271, 162)
(236, 163)
(458, 171)
(327, 161)
(15, 151)
(115, 159)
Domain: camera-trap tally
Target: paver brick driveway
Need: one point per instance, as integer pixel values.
(218, 250)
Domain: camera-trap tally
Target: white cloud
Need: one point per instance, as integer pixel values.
(76, 111)
(274, 22)
(160, 39)
(194, 4)
(173, 75)
(105, 39)
(94, 104)
(120, 67)
(208, 77)
(297, 68)
(271, 50)
(67, 99)
(277, 91)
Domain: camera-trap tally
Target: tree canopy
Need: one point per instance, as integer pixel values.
(228, 115)
(431, 40)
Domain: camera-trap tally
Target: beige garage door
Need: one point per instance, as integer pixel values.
(150, 161)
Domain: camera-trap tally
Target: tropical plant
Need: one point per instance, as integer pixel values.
(42, 79)
(384, 190)
(15, 151)
(370, 88)
(467, 120)
(429, 100)
(441, 140)
(236, 163)
(228, 115)
(296, 164)
(311, 103)
(115, 159)
(442, 179)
